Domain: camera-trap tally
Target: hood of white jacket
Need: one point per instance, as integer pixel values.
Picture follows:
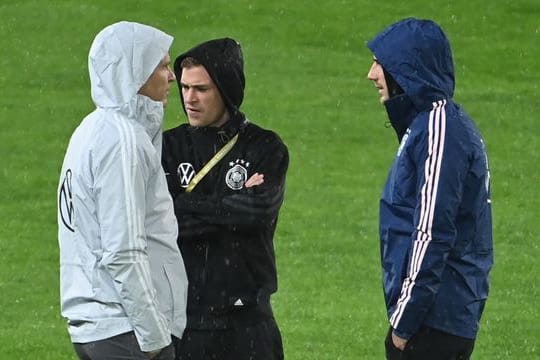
(122, 58)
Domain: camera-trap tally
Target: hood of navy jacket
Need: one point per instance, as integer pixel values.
(417, 54)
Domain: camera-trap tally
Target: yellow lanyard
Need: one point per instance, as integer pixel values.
(209, 165)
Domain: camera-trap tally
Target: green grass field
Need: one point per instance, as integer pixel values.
(306, 64)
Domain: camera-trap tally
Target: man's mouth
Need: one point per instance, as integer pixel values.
(193, 112)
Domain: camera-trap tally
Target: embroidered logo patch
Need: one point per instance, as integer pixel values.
(237, 175)
(185, 173)
(65, 202)
(403, 142)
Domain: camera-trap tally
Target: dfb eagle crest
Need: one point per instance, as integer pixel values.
(237, 175)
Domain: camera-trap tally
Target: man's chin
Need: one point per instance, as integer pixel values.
(194, 122)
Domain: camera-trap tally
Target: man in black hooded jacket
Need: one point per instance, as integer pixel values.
(227, 178)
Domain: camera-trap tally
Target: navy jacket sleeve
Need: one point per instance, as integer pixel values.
(440, 157)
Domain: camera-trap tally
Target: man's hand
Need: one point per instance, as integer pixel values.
(254, 180)
(398, 342)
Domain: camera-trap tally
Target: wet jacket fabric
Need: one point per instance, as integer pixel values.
(120, 267)
(435, 210)
(225, 229)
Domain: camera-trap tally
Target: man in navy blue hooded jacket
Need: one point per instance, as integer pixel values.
(435, 210)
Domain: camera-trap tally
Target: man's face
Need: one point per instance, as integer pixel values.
(157, 85)
(376, 74)
(202, 100)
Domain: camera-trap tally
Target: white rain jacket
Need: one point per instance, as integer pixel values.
(120, 266)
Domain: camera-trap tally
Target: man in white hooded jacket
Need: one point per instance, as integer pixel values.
(122, 278)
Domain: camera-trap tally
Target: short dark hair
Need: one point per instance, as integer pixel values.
(189, 62)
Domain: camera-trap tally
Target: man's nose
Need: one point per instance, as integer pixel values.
(172, 77)
(373, 73)
(190, 95)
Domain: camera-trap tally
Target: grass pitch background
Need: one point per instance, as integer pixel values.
(305, 67)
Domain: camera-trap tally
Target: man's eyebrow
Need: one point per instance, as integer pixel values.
(200, 85)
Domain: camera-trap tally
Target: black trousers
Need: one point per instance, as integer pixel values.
(259, 341)
(120, 347)
(430, 344)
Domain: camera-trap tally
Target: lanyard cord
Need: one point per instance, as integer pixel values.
(209, 165)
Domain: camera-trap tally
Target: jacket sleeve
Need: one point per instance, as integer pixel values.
(441, 164)
(121, 172)
(244, 210)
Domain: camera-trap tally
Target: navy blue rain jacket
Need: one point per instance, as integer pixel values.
(435, 210)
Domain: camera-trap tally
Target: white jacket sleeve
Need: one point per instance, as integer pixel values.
(120, 184)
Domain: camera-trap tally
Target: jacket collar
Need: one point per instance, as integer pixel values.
(401, 112)
(226, 131)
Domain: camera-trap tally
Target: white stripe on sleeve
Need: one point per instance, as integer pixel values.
(135, 225)
(432, 169)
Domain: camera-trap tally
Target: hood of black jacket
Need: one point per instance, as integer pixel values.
(224, 62)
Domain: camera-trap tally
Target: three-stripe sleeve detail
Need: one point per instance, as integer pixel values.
(135, 227)
(428, 198)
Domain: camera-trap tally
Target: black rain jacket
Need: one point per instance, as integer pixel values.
(226, 230)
